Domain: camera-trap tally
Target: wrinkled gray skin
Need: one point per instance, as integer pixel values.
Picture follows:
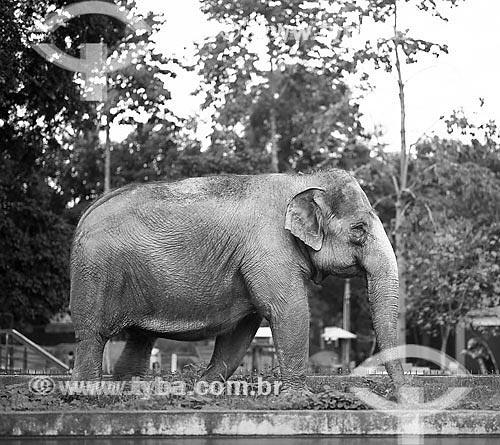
(212, 257)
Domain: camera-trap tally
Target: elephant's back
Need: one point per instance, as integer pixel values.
(229, 188)
(226, 187)
(199, 188)
(147, 213)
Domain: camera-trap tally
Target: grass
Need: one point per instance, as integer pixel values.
(327, 393)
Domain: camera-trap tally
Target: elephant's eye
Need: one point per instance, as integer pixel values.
(358, 232)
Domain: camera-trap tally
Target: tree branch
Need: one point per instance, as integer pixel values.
(378, 201)
(431, 217)
(395, 182)
(405, 208)
(415, 183)
(404, 150)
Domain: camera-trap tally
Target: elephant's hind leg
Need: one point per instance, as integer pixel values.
(230, 348)
(88, 363)
(134, 359)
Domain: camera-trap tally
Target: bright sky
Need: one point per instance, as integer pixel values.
(434, 86)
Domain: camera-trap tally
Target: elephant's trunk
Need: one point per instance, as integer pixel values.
(381, 269)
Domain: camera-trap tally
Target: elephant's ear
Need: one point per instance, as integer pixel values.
(304, 217)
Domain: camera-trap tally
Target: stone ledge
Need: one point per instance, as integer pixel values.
(240, 423)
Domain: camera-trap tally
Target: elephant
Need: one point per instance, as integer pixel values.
(211, 257)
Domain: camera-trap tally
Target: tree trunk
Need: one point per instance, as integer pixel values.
(400, 200)
(107, 159)
(272, 122)
(274, 140)
(400, 255)
(273, 91)
(445, 335)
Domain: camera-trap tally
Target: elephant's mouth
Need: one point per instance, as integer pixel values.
(348, 271)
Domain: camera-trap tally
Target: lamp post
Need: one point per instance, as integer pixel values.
(346, 324)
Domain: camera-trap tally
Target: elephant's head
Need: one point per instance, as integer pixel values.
(344, 237)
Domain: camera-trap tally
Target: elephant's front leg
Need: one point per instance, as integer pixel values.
(290, 327)
(283, 301)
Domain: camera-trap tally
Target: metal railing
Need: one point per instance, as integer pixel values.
(9, 348)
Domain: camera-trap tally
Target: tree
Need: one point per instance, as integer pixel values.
(453, 259)
(137, 90)
(452, 270)
(449, 228)
(317, 124)
(160, 152)
(392, 54)
(136, 96)
(35, 99)
(34, 253)
(453, 250)
(292, 102)
(50, 154)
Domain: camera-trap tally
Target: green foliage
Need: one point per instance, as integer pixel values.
(453, 235)
(34, 257)
(137, 96)
(292, 103)
(316, 120)
(50, 155)
(452, 209)
(34, 100)
(461, 274)
(382, 51)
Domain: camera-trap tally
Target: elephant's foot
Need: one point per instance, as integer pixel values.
(293, 382)
(134, 359)
(215, 373)
(88, 362)
(294, 386)
(295, 393)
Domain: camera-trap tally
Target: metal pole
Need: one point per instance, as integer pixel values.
(7, 338)
(321, 339)
(347, 305)
(173, 363)
(346, 323)
(25, 359)
(107, 158)
(460, 344)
